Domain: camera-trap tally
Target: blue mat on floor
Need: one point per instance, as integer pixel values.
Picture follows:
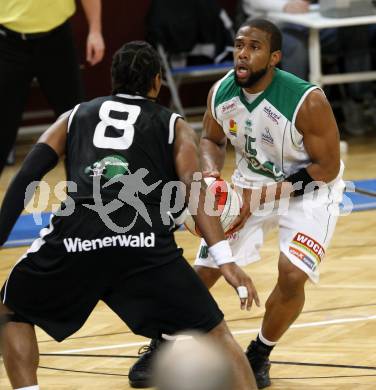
(366, 185)
(26, 230)
(360, 201)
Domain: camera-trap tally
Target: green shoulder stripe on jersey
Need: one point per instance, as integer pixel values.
(284, 93)
(227, 89)
(287, 92)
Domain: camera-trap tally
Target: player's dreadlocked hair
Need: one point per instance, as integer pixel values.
(134, 67)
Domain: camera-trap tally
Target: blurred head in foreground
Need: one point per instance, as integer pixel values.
(192, 364)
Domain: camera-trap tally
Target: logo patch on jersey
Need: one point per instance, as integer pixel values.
(309, 246)
(233, 127)
(108, 167)
(228, 107)
(311, 264)
(248, 125)
(266, 137)
(272, 115)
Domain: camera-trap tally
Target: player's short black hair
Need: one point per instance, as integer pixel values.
(268, 27)
(134, 67)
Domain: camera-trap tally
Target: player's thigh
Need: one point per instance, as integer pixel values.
(165, 299)
(53, 289)
(305, 234)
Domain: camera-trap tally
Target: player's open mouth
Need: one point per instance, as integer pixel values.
(242, 72)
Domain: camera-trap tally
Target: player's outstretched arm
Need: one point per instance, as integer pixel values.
(187, 163)
(41, 159)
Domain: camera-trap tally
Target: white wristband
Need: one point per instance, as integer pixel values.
(221, 253)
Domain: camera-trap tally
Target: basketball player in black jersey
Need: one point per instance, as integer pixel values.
(112, 239)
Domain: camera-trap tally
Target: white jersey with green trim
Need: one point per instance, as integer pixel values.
(267, 144)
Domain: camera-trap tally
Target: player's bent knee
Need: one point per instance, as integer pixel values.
(19, 342)
(7, 315)
(291, 278)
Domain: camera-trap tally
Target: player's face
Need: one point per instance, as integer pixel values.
(252, 56)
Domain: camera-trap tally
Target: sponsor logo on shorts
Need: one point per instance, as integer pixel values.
(311, 264)
(228, 107)
(135, 241)
(309, 245)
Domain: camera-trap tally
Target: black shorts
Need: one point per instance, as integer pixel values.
(151, 288)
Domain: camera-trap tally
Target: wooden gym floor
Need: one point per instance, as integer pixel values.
(331, 346)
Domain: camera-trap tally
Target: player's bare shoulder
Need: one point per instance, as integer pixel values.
(315, 101)
(314, 112)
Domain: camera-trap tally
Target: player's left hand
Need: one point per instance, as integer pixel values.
(94, 48)
(242, 283)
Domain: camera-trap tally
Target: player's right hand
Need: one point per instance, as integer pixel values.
(236, 277)
(94, 48)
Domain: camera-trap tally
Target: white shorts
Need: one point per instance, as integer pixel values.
(306, 226)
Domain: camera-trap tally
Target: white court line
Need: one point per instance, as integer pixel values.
(349, 286)
(318, 323)
(237, 332)
(358, 257)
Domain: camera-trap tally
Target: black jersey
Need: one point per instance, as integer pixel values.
(122, 146)
(119, 135)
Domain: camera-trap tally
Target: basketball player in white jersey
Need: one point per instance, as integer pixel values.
(286, 139)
